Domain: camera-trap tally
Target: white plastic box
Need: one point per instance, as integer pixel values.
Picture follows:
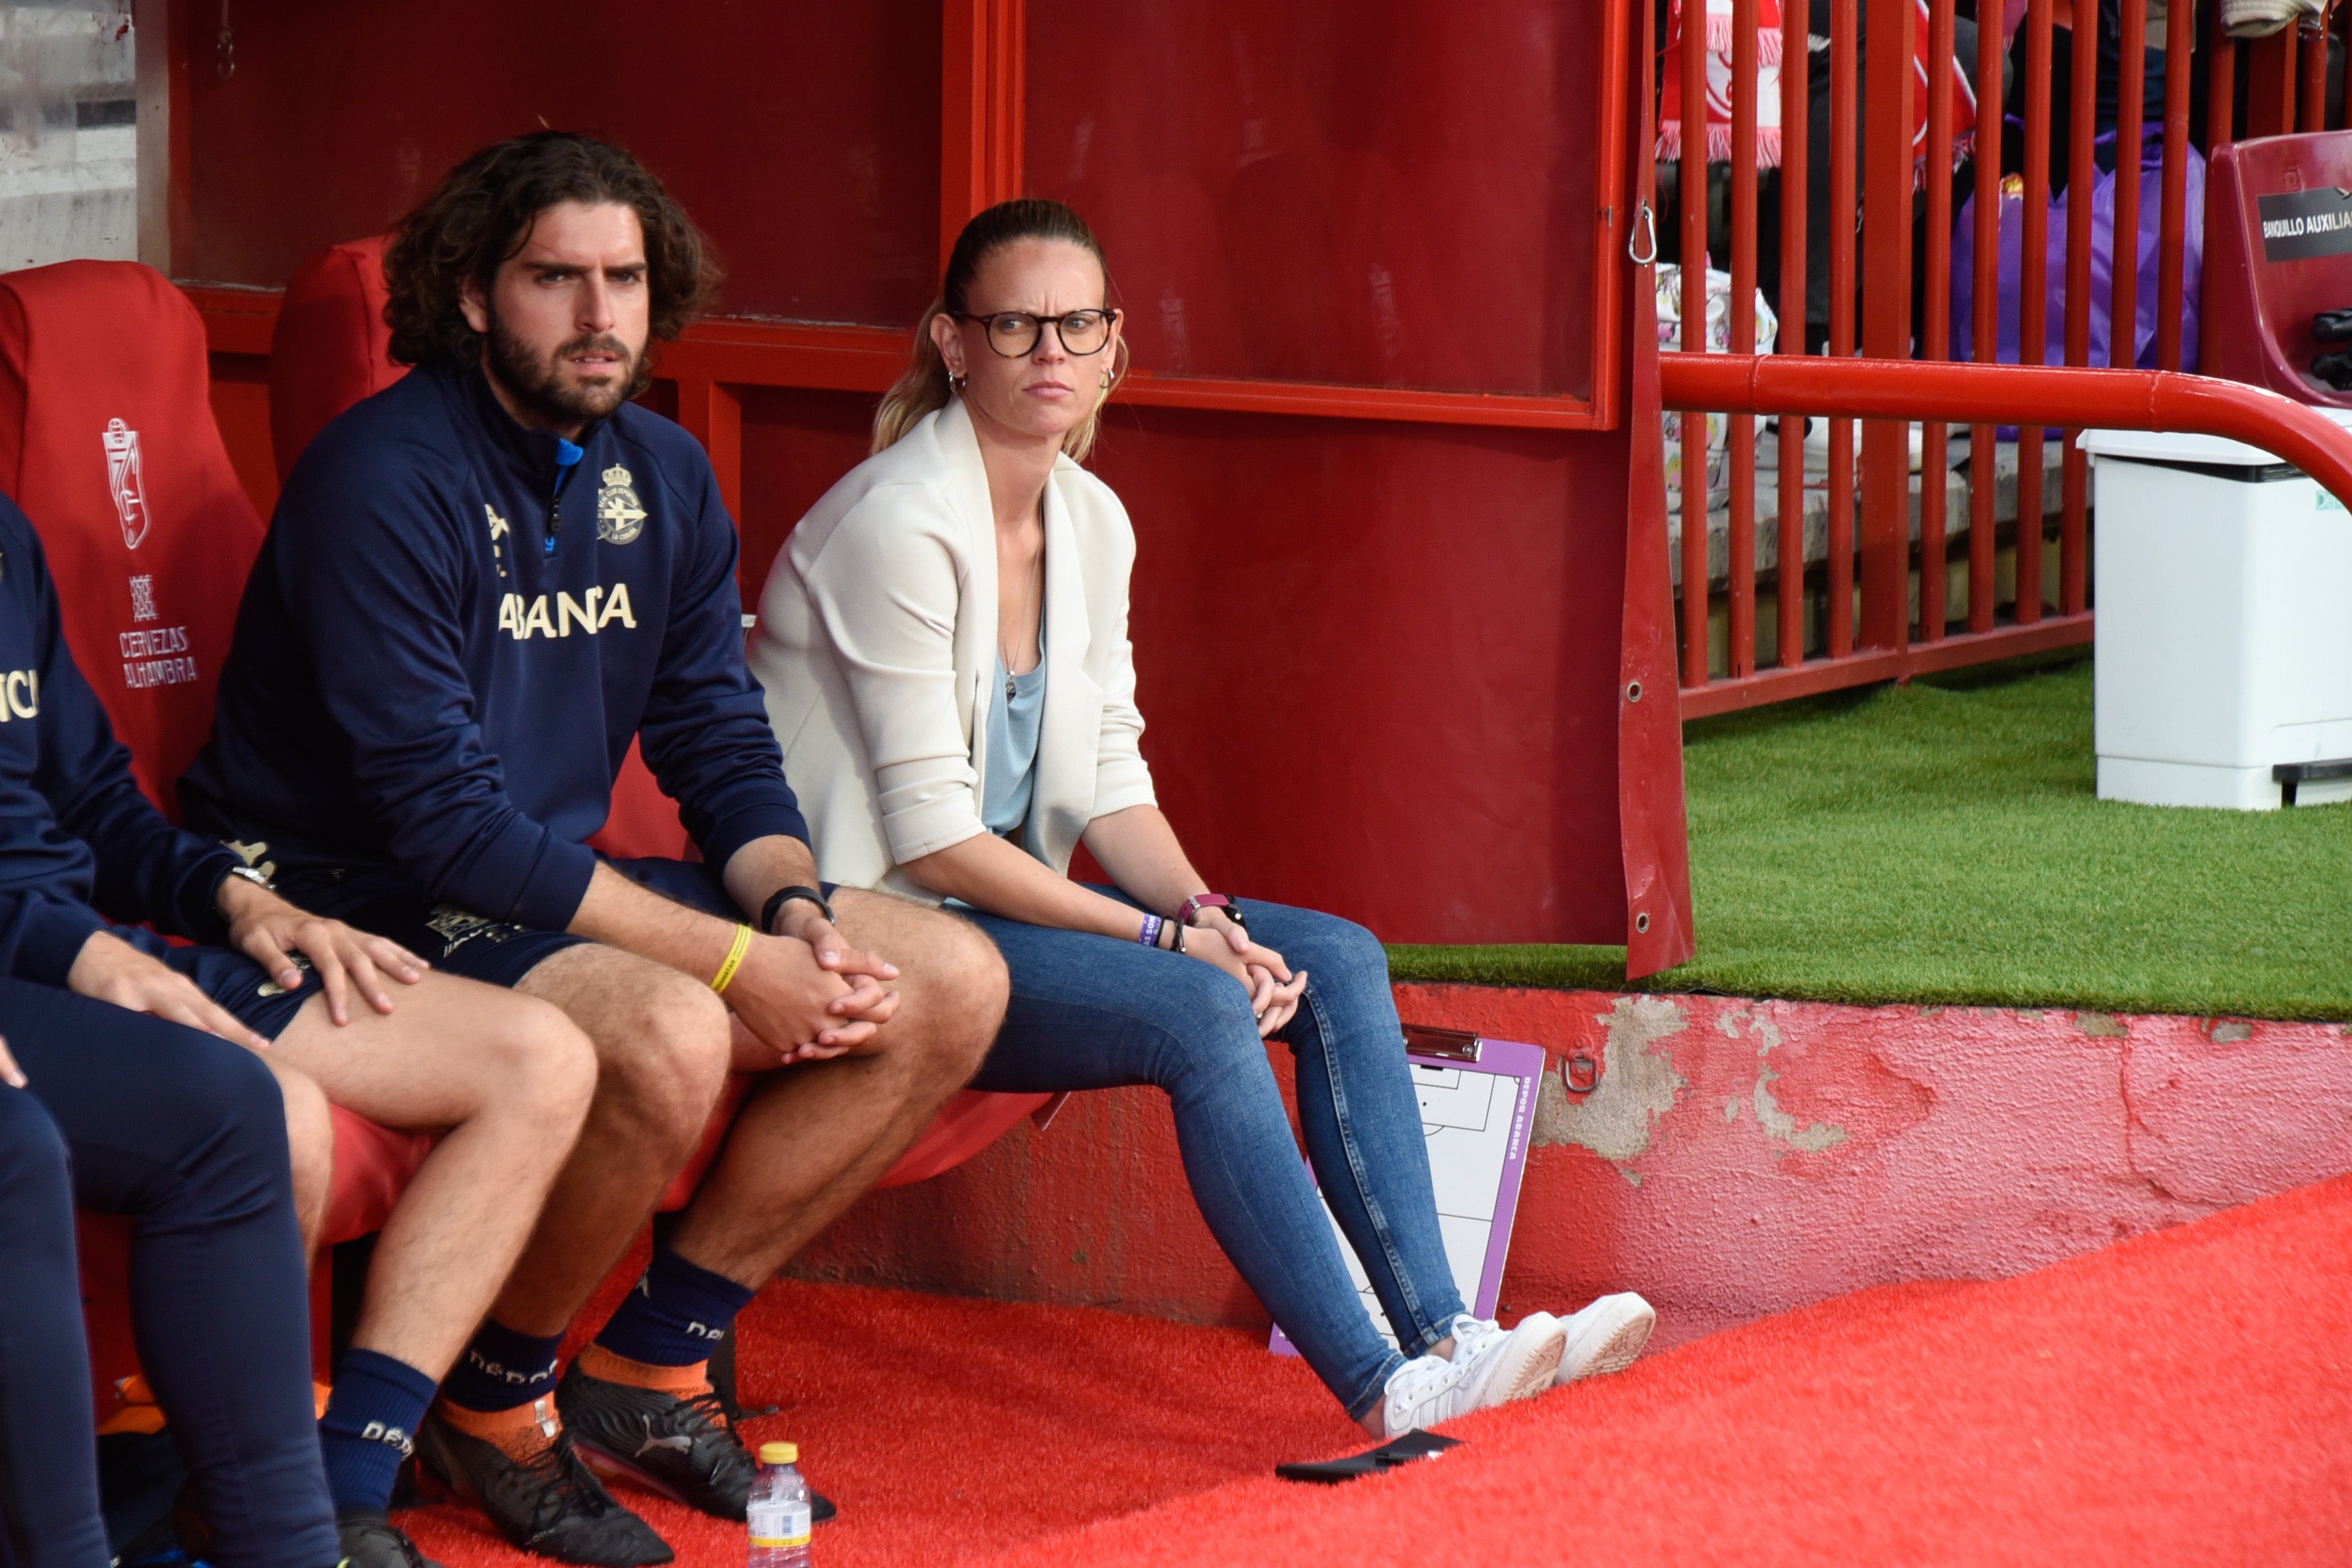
(2223, 586)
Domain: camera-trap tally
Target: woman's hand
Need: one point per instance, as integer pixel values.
(10, 1073)
(1274, 989)
(269, 931)
(109, 970)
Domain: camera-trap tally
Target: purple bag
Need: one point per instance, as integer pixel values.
(2103, 256)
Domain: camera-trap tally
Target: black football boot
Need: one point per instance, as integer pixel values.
(684, 1448)
(548, 1503)
(687, 1447)
(369, 1539)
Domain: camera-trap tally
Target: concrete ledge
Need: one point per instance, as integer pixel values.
(1737, 1158)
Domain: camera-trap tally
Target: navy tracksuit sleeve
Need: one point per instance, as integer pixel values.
(380, 601)
(147, 870)
(42, 932)
(705, 732)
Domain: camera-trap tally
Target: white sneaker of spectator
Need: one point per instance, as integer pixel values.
(1491, 1365)
(1606, 1336)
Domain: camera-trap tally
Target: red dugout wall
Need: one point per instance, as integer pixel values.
(1373, 258)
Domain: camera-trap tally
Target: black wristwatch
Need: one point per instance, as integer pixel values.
(784, 896)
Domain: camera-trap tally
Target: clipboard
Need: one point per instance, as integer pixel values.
(1478, 1105)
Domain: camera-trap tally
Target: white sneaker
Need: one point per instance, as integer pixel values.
(1423, 1393)
(1606, 1336)
(1500, 1365)
(1491, 1365)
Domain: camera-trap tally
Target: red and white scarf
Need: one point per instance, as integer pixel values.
(1768, 88)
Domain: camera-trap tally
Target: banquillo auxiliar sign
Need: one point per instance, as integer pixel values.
(2297, 225)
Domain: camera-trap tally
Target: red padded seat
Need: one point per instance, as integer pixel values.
(329, 349)
(107, 441)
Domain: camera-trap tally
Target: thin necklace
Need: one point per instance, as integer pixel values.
(1037, 572)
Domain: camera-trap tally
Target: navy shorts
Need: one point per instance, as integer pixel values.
(456, 941)
(243, 987)
(459, 942)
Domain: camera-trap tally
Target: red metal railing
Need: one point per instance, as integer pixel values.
(1952, 394)
(1877, 590)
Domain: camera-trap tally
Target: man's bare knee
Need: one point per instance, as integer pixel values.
(983, 987)
(665, 1053)
(961, 996)
(661, 1042)
(311, 1145)
(543, 1060)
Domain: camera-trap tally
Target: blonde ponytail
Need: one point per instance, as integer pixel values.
(1081, 439)
(921, 387)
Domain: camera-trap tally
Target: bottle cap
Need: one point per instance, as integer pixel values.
(780, 1453)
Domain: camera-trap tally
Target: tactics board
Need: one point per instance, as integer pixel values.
(1477, 1103)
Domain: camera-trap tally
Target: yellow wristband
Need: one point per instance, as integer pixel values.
(734, 959)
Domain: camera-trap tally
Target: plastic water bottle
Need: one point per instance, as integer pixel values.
(778, 1510)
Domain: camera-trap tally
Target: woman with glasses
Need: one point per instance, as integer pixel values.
(944, 646)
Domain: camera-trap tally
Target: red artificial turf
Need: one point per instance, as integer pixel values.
(947, 1427)
(2184, 1397)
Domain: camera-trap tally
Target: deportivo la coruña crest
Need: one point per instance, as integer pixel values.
(619, 518)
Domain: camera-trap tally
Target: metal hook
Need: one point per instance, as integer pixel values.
(1644, 221)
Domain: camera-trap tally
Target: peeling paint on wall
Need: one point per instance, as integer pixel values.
(1782, 1128)
(1638, 1085)
(1777, 1123)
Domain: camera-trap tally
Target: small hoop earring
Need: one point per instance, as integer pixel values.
(1106, 381)
(957, 382)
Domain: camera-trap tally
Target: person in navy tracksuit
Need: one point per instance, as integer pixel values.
(148, 1058)
(151, 1102)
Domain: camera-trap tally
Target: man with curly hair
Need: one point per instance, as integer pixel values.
(481, 586)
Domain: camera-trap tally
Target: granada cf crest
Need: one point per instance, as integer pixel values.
(619, 518)
(127, 480)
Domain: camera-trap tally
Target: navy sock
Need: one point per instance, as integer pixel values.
(677, 1314)
(371, 1425)
(502, 1368)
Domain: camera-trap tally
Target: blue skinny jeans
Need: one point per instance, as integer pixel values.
(1096, 1012)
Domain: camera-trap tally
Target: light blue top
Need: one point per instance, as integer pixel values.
(1012, 746)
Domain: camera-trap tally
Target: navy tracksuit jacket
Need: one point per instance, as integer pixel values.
(451, 637)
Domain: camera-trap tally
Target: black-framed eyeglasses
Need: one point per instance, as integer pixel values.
(1016, 334)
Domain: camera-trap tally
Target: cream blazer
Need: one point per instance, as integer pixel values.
(876, 643)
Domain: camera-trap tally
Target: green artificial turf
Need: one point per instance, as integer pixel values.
(1944, 842)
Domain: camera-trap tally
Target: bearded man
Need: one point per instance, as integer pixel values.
(481, 586)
